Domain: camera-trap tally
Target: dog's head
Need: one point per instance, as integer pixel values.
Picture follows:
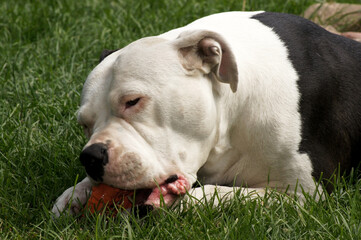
(150, 109)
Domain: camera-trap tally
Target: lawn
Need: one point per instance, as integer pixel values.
(47, 48)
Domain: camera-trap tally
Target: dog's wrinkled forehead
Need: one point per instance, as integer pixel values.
(144, 66)
(145, 56)
(139, 60)
(135, 67)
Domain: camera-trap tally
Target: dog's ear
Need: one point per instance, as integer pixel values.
(209, 53)
(105, 53)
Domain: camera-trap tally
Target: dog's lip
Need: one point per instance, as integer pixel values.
(174, 186)
(171, 178)
(167, 193)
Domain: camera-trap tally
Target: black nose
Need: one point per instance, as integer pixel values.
(93, 159)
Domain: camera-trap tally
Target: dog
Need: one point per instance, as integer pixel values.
(244, 100)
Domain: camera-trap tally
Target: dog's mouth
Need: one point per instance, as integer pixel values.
(164, 194)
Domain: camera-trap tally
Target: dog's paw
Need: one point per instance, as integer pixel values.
(209, 193)
(73, 199)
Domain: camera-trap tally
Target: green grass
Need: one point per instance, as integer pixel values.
(47, 48)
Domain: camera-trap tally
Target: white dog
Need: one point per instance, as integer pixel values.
(250, 99)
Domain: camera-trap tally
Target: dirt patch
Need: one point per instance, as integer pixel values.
(343, 19)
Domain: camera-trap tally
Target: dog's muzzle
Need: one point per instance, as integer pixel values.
(94, 158)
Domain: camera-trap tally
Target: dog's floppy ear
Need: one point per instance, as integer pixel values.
(105, 53)
(209, 53)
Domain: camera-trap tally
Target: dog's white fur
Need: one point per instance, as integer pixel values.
(197, 118)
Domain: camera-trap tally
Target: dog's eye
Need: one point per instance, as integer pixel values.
(131, 103)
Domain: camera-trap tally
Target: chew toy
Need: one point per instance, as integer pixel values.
(110, 198)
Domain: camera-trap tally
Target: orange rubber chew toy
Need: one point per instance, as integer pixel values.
(105, 196)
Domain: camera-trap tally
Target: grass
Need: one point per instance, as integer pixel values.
(47, 48)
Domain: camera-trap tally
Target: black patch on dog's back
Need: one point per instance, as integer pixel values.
(329, 70)
(105, 53)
